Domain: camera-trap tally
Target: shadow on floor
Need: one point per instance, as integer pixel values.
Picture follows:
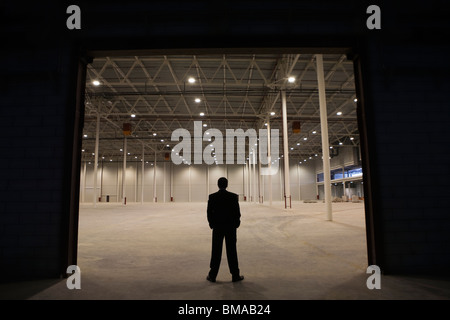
(26, 289)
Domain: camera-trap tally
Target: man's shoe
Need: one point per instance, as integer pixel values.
(210, 279)
(238, 278)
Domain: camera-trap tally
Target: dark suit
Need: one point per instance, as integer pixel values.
(224, 218)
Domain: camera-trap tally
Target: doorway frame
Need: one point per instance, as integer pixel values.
(69, 247)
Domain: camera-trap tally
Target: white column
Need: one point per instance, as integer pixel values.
(97, 133)
(171, 181)
(164, 183)
(83, 190)
(207, 182)
(254, 176)
(287, 187)
(154, 180)
(250, 189)
(142, 175)
(189, 183)
(269, 152)
(259, 182)
(124, 169)
(324, 129)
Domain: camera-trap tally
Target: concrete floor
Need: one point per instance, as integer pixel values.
(161, 251)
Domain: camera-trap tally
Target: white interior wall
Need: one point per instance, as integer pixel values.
(191, 183)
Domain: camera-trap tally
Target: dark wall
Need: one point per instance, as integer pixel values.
(404, 77)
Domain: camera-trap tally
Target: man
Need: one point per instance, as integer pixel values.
(224, 217)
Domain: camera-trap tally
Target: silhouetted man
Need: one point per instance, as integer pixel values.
(224, 218)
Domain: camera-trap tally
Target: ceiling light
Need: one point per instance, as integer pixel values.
(85, 135)
(202, 114)
(355, 100)
(197, 100)
(272, 113)
(340, 143)
(154, 133)
(191, 80)
(205, 125)
(121, 150)
(291, 79)
(96, 83)
(314, 132)
(305, 138)
(298, 143)
(162, 140)
(133, 115)
(339, 113)
(351, 138)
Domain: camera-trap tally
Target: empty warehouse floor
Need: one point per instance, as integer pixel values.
(162, 250)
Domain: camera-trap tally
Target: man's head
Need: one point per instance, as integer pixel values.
(222, 183)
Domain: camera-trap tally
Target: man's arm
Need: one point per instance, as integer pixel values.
(237, 211)
(209, 212)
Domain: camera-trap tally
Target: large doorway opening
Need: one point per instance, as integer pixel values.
(135, 103)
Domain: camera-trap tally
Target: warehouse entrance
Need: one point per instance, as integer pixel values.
(134, 104)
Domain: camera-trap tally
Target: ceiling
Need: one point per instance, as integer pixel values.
(234, 91)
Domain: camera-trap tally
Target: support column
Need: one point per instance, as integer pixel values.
(189, 183)
(259, 183)
(269, 152)
(171, 181)
(207, 182)
(164, 183)
(324, 129)
(154, 180)
(124, 169)
(142, 175)
(97, 133)
(83, 190)
(287, 187)
(254, 175)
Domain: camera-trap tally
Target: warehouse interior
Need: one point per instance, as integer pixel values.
(134, 105)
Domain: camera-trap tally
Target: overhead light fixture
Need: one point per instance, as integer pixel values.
(355, 100)
(291, 79)
(272, 113)
(154, 133)
(339, 113)
(202, 114)
(197, 100)
(205, 125)
(191, 80)
(85, 135)
(96, 83)
(314, 132)
(133, 115)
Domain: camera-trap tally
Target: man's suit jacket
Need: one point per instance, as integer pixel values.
(223, 210)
